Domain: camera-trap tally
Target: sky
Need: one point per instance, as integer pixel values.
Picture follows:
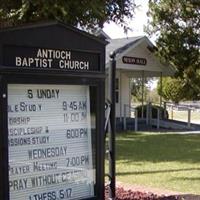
(136, 24)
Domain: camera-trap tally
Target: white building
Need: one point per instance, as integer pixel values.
(134, 58)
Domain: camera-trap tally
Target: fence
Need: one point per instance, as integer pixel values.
(177, 112)
(184, 112)
(132, 110)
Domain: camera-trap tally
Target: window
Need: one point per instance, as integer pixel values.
(51, 139)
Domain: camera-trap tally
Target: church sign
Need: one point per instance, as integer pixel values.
(49, 141)
(52, 114)
(43, 58)
(134, 60)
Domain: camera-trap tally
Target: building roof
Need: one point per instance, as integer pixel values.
(120, 45)
(101, 34)
(141, 48)
(42, 24)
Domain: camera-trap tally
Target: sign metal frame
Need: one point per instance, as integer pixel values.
(66, 38)
(50, 80)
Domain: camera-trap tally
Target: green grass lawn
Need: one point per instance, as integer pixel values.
(160, 160)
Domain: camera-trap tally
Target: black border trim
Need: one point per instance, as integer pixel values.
(93, 80)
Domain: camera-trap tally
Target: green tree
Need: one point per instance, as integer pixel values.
(173, 89)
(153, 96)
(136, 89)
(176, 23)
(89, 14)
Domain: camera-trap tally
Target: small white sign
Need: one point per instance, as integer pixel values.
(49, 142)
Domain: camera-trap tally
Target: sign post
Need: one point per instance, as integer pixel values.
(52, 114)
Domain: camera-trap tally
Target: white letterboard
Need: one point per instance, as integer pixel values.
(49, 142)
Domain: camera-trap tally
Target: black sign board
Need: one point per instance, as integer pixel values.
(47, 59)
(134, 60)
(52, 81)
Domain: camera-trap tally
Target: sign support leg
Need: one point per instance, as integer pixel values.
(113, 128)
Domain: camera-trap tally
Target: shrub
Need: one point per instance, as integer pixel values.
(154, 109)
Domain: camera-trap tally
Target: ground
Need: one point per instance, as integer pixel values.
(157, 192)
(147, 189)
(168, 161)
